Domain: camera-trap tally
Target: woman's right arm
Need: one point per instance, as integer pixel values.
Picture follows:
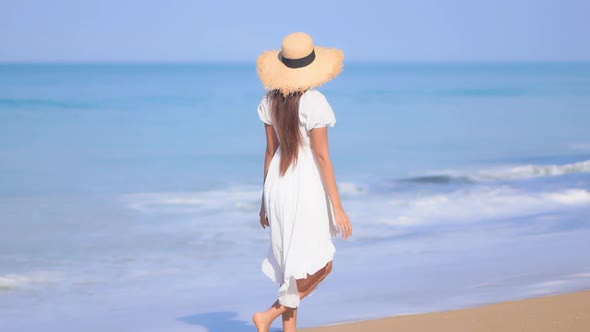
(321, 150)
(272, 144)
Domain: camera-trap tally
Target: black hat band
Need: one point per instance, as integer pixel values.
(299, 63)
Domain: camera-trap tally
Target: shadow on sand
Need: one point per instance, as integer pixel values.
(221, 321)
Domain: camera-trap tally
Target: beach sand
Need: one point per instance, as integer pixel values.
(569, 312)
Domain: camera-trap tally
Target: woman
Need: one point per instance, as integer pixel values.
(300, 201)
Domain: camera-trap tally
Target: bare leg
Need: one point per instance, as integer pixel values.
(290, 320)
(305, 287)
(262, 320)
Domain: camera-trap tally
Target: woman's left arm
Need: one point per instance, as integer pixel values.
(272, 144)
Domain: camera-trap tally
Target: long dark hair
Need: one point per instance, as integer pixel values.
(285, 117)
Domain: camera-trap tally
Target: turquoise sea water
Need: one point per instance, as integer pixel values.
(129, 193)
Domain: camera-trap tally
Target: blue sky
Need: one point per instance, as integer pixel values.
(380, 30)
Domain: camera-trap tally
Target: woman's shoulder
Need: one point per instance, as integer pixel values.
(264, 111)
(264, 99)
(315, 111)
(313, 94)
(313, 98)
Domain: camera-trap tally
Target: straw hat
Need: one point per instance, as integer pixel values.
(299, 65)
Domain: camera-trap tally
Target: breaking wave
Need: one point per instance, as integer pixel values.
(513, 172)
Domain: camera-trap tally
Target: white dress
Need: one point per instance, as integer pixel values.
(297, 206)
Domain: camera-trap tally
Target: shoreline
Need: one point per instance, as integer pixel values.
(562, 312)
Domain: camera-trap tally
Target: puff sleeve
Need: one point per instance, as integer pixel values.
(319, 113)
(264, 111)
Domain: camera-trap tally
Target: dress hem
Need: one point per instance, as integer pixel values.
(293, 300)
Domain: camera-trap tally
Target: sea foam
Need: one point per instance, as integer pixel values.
(14, 280)
(477, 204)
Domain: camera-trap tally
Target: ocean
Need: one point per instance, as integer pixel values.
(129, 193)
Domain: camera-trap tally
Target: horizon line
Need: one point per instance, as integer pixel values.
(253, 62)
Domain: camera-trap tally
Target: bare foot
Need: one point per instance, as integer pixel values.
(261, 323)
